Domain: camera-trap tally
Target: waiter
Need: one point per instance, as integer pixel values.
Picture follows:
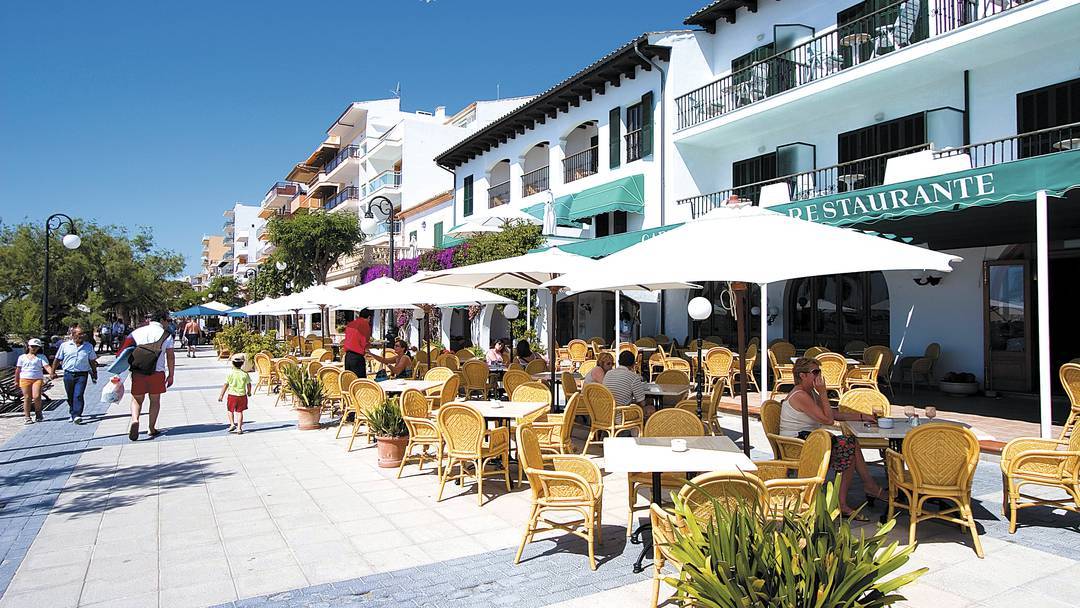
(357, 337)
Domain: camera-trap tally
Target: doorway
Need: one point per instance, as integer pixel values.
(1008, 326)
(1064, 330)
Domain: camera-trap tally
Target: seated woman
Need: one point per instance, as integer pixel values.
(806, 409)
(604, 363)
(494, 355)
(399, 366)
(525, 354)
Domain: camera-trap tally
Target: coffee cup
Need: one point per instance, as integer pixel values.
(885, 423)
(678, 445)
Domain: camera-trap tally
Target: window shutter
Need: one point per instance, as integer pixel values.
(646, 124)
(438, 235)
(615, 136)
(466, 187)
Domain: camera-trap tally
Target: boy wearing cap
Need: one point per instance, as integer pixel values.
(238, 386)
(30, 372)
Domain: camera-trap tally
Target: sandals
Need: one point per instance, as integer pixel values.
(153, 433)
(133, 431)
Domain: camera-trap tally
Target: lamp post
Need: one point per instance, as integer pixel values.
(511, 312)
(370, 223)
(71, 241)
(699, 309)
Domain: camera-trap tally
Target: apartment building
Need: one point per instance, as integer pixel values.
(242, 224)
(214, 254)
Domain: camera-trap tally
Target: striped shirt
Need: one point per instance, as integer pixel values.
(625, 385)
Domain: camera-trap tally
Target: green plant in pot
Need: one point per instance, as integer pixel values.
(384, 421)
(478, 352)
(308, 392)
(740, 560)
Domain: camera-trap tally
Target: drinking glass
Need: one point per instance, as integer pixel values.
(930, 411)
(909, 411)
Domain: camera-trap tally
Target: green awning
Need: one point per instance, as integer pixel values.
(450, 241)
(986, 186)
(626, 194)
(607, 245)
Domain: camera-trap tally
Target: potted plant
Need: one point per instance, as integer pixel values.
(308, 392)
(959, 384)
(477, 351)
(814, 559)
(385, 422)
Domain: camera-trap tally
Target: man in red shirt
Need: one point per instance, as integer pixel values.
(357, 337)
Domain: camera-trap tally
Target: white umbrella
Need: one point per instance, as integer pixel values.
(749, 245)
(473, 227)
(493, 220)
(549, 215)
(218, 306)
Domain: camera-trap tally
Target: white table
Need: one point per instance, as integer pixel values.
(895, 435)
(506, 410)
(659, 391)
(855, 41)
(400, 386)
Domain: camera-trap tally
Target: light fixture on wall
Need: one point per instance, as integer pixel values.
(923, 277)
(773, 313)
(423, 225)
(880, 116)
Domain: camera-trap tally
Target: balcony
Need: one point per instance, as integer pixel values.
(499, 194)
(349, 193)
(884, 31)
(534, 182)
(280, 193)
(634, 148)
(262, 233)
(870, 171)
(242, 237)
(347, 153)
(386, 179)
(582, 164)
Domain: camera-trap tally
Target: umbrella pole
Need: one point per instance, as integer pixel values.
(552, 316)
(740, 323)
(427, 334)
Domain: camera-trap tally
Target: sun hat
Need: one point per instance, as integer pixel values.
(238, 358)
(34, 342)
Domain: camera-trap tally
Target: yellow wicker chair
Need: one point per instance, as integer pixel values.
(728, 490)
(751, 360)
(833, 371)
(313, 368)
(345, 380)
(924, 365)
(783, 350)
(553, 431)
(672, 376)
(884, 374)
(797, 493)
(871, 402)
(514, 378)
(423, 432)
(679, 364)
(572, 484)
(657, 362)
(814, 351)
(364, 394)
(438, 374)
(515, 366)
(569, 385)
(1050, 463)
(709, 405)
(717, 363)
(449, 361)
(865, 376)
(532, 392)
(464, 355)
(284, 392)
(447, 393)
(536, 366)
(938, 461)
(1069, 374)
(586, 367)
(671, 422)
(318, 352)
(578, 351)
(783, 373)
(314, 344)
(475, 374)
(331, 381)
(267, 377)
(605, 416)
(469, 442)
(630, 346)
(645, 342)
(787, 449)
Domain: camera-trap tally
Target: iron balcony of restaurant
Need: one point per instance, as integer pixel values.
(499, 194)
(581, 164)
(346, 194)
(534, 181)
(870, 171)
(883, 31)
(351, 151)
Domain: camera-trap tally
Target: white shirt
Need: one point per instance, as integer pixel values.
(32, 367)
(150, 333)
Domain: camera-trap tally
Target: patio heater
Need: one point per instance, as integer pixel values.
(699, 309)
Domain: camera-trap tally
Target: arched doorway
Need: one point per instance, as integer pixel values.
(833, 310)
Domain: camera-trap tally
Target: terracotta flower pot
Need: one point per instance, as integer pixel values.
(307, 418)
(391, 451)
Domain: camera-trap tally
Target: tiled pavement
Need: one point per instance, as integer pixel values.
(287, 518)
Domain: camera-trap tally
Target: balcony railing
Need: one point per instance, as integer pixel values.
(386, 179)
(282, 189)
(1016, 147)
(883, 31)
(582, 164)
(346, 194)
(352, 151)
(499, 194)
(534, 181)
(633, 145)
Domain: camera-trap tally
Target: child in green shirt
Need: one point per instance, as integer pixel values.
(238, 386)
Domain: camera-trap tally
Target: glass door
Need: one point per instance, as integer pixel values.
(1007, 297)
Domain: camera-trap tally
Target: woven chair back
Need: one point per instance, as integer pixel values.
(672, 376)
(528, 450)
(464, 355)
(718, 361)
(783, 351)
(833, 368)
(449, 390)
(815, 455)
(1071, 468)
(462, 428)
(599, 403)
(645, 342)
(676, 363)
(531, 392)
(438, 374)
(630, 346)
(569, 413)
(942, 456)
(515, 366)
(413, 404)
(263, 365)
(871, 354)
(536, 366)
(578, 350)
(587, 366)
(864, 400)
(449, 361)
(313, 368)
(770, 418)
(933, 351)
(1069, 374)
(855, 346)
(569, 385)
(345, 380)
(728, 490)
(366, 394)
(317, 352)
(690, 405)
(475, 373)
(814, 351)
(331, 381)
(514, 378)
(673, 422)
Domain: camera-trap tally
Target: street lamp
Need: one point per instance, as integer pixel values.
(370, 223)
(71, 240)
(511, 312)
(699, 309)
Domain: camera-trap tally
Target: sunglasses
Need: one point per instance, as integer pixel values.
(816, 372)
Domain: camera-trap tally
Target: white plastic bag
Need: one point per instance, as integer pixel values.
(114, 390)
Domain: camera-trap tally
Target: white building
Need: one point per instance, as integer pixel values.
(242, 224)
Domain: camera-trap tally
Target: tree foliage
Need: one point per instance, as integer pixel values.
(311, 243)
(269, 282)
(517, 238)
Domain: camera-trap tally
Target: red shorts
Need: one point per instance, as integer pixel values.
(154, 384)
(237, 403)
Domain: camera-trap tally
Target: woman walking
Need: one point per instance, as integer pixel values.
(30, 372)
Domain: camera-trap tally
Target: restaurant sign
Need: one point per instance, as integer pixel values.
(1013, 181)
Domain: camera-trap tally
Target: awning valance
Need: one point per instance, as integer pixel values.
(607, 245)
(625, 194)
(986, 186)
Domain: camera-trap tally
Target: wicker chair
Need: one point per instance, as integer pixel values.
(475, 374)
(569, 385)
(605, 416)
(814, 351)
(709, 405)
(871, 402)
(865, 376)
(447, 393)
(464, 355)
(572, 484)
(422, 431)
(587, 367)
(578, 351)
(1040, 462)
(728, 490)
(468, 441)
(536, 366)
(331, 381)
(751, 359)
(717, 363)
(884, 374)
(514, 378)
(678, 363)
(345, 380)
(318, 352)
(532, 392)
(783, 350)
(672, 422)
(438, 374)
(855, 346)
(449, 361)
(938, 461)
(798, 492)
(313, 368)
(282, 373)
(787, 449)
(783, 373)
(674, 377)
(1069, 374)
(553, 431)
(833, 371)
(364, 395)
(921, 366)
(265, 367)
(656, 363)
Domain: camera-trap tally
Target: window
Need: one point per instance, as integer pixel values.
(412, 238)
(874, 17)
(752, 171)
(607, 224)
(878, 139)
(633, 132)
(467, 194)
(1053, 106)
(438, 235)
(831, 311)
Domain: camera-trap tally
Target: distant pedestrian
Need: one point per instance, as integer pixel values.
(30, 370)
(152, 367)
(117, 334)
(79, 361)
(238, 387)
(192, 332)
(105, 333)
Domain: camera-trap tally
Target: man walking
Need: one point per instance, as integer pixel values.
(78, 359)
(357, 337)
(117, 333)
(192, 332)
(152, 367)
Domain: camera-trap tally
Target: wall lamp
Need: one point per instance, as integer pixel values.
(922, 277)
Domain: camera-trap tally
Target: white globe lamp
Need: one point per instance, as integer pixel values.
(699, 308)
(72, 241)
(511, 311)
(369, 224)
(281, 266)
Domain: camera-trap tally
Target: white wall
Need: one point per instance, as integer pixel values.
(425, 235)
(421, 178)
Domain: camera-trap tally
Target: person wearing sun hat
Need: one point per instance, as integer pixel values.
(238, 386)
(30, 370)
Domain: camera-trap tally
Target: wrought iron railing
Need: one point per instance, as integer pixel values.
(535, 181)
(350, 151)
(633, 145)
(282, 189)
(499, 194)
(582, 164)
(386, 179)
(347, 193)
(880, 32)
(1016, 147)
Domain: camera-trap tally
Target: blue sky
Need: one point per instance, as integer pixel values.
(163, 114)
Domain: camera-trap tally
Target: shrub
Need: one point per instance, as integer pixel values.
(307, 389)
(384, 420)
